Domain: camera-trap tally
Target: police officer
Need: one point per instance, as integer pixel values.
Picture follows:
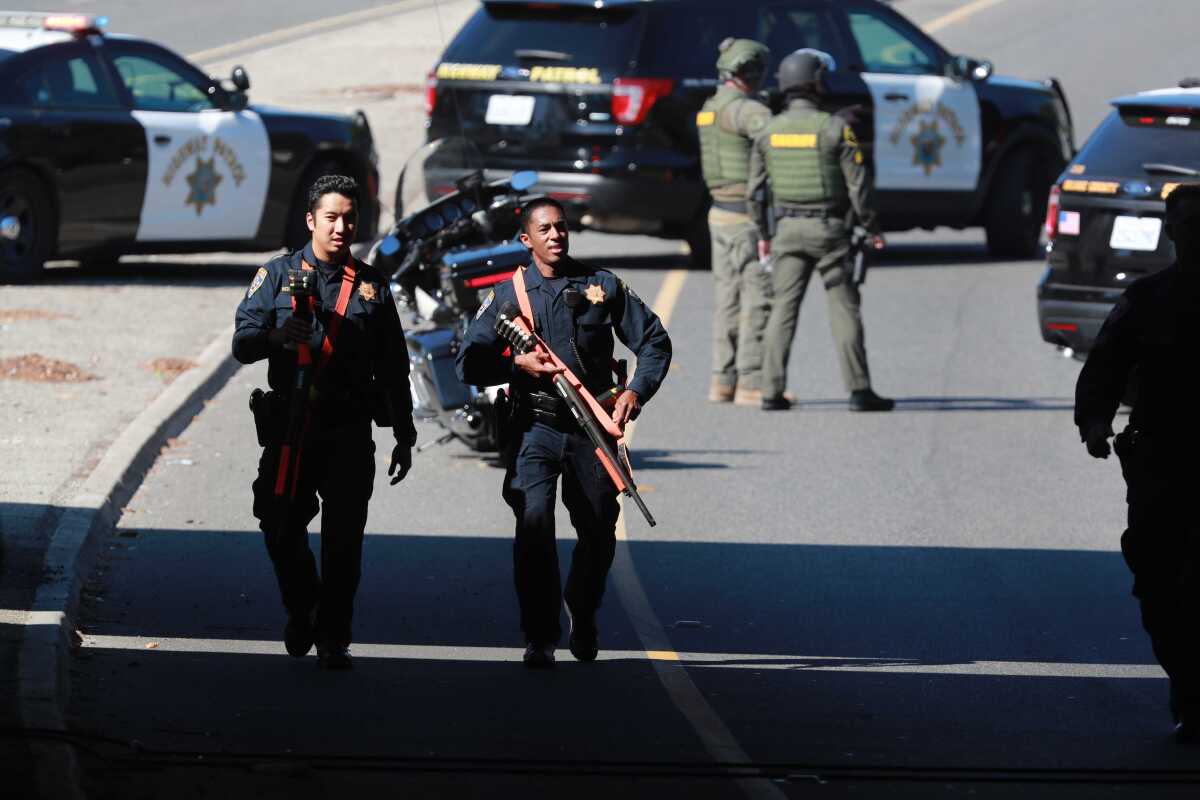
(1155, 329)
(576, 310)
(365, 376)
(814, 167)
(728, 123)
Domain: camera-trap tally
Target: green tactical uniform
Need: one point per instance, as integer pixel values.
(728, 123)
(816, 173)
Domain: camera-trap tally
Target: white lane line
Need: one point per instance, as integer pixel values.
(716, 737)
(958, 15)
(317, 26)
(670, 660)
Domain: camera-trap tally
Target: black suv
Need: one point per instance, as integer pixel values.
(1105, 213)
(600, 98)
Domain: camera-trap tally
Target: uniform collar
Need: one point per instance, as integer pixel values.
(802, 103)
(575, 274)
(323, 266)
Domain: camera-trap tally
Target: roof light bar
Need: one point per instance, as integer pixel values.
(78, 24)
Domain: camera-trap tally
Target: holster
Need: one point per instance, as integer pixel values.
(270, 416)
(505, 415)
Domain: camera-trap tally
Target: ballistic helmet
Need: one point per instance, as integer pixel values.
(804, 68)
(742, 58)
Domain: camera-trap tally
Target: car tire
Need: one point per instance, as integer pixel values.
(24, 198)
(699, 241)
(298, 234)
(1016, 208)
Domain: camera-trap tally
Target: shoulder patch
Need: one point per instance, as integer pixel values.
(259, 277)
(756, 123)
(487, 301)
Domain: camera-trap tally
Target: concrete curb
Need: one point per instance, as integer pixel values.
(43, 677)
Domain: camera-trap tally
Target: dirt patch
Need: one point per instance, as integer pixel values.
(26, 314)
(39, 369)
(168, 369)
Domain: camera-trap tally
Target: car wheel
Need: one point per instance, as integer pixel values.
(298, 234)
(699, 242)
(1016, 209)
(26, 226)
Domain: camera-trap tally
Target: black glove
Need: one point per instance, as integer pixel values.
(402, 457)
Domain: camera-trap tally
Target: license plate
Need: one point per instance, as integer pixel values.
(509, 109)
(1135, 233)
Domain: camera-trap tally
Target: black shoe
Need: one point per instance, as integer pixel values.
(585, 639)
(333, 657)
(779, 403)
(867, 400)
(539, 656)
(299, 633)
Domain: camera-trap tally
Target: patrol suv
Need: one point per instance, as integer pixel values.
(1105, 214)
(113, 145)
(601, 99)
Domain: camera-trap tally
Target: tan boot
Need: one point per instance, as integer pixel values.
(719, 392)
(748, 397)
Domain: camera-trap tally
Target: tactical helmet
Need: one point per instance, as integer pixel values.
(743, 58)
(804, 68)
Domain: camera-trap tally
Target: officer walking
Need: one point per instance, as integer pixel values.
(361, 372)
(576, 310)
(812, 163)
(1155, 329)
(728, 123)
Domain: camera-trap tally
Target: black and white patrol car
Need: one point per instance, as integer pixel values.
(112, 145)
(1105, 217)
(600, 97)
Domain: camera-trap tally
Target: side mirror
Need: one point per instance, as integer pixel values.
(240, 78)
(520, 181)
(964, 68)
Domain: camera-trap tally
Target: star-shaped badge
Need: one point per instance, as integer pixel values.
(366, 291)
(595, 293)
(203, 182)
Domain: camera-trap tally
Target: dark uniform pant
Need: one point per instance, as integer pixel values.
(1161, 547)
(800, 245)
(539, 454)
(339, 467)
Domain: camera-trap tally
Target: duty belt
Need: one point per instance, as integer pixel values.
(737, 207)
(549, 409)
(813, 213)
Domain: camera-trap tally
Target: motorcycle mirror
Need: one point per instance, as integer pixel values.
(389, 246)
(482, 221)
(520, 181)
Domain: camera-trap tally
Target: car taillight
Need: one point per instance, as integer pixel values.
(1052, 213)
(430, 93)
(632, 98)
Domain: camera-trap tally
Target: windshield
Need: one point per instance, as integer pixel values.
(1123, 143)
(546, 37)
(432, 171)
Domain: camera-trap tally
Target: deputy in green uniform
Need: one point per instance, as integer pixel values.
(728, 123)
(812, 164)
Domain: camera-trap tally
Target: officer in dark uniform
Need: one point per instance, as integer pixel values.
(366, 377)
(727, 124)
(577, 308)
(814, 167)
(1155, 329)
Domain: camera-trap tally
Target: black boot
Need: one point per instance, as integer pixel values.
(867, 400)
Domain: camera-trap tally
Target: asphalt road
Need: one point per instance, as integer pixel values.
(933, 595)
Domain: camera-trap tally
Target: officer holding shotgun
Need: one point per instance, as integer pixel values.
(576, 309)
(336, 361)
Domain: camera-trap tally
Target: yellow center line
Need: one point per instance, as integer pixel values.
(958, 15)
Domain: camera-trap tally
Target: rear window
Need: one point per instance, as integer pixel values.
(605, 38)
(1125, 141)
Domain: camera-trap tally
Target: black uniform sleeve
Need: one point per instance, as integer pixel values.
(642, 332)
(255, 317)
(391, 369)
(1105, 374)
(481, 360)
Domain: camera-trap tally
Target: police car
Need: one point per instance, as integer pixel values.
(1104, 222)
(112, 145)
(600, 97)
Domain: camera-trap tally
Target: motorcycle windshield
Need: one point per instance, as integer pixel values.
(433, 172)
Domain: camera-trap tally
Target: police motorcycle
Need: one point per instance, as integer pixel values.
(453, 239)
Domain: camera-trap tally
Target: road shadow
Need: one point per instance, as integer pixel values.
(215, 274)
(934, 403)
(935, 254)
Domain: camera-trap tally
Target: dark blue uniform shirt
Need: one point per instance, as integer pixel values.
(606, 305)
(371, 353)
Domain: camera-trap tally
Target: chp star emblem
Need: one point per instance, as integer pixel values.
(367, 291)
(927, 146)
(595, 293)
(203, 182)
